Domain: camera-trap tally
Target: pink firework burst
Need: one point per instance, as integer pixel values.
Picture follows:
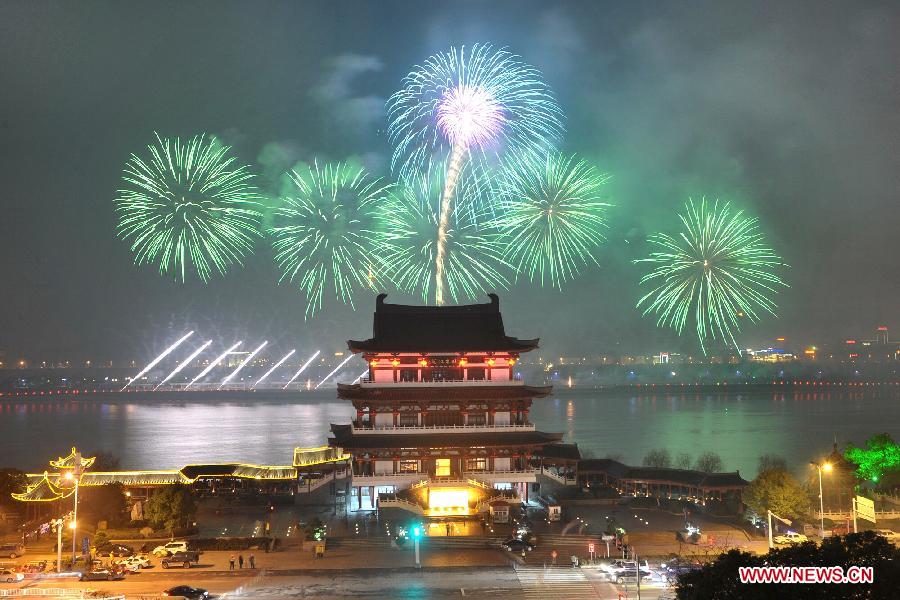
(470, 116)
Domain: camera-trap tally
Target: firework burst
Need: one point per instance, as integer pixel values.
(475, 261)
(460, 101)
(553, 217)
(187, 206)
(323, 233)
(717, 270)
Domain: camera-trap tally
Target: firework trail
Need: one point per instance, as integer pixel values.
(717, 269)
(408, 247)
(187, 205)
(483, 100)
(554, 217)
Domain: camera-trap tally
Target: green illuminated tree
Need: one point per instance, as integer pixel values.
(777, 491)
(880, 456)
(170, 508)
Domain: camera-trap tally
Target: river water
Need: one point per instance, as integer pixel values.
(152, 433)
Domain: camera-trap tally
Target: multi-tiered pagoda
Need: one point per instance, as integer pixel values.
(442, 422)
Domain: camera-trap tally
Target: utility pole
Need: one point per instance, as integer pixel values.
(769, 515)
(59, 526)
(637, 566)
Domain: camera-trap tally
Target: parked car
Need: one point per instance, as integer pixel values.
(517, 545)
(10, 576)
(791, 537)
(888, 533)
(186, 591)
(135, 563)
(102, 575)
(12, 550)
(180, 559)
(171, 548)
(117, 550)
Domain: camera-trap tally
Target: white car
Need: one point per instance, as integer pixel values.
(9, 576)
(791, 537)
(136, 562)
(170, 548)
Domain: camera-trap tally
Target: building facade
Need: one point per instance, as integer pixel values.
(442, 424)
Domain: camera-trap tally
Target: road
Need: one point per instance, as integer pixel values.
(428, 583)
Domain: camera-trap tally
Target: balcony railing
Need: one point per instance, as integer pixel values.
(368, 429)
(444, 382)
(417, 480)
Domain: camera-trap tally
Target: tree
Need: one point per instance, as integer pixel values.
(720, 580)
(170, 508)
(104, 460)
(769, 462)
(12, 481)
(777, 491)
(103, 503)
(101, 539)
(880, 456)
(683, 461)
(709, 462)
(658, 457)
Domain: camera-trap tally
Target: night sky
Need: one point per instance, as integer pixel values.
(788, 109)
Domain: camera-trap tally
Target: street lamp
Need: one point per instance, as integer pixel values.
(825, 466)
(75, 476)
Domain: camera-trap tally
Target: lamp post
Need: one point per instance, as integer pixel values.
(75, 475)
(826, 466)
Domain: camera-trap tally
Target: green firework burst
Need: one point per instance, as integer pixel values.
(408, 242)
(717, 270)
(187, 206)
(323, 232)
(553, 217)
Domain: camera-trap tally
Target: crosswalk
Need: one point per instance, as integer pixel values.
(554, 583)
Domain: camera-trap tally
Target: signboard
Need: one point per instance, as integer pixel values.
(591, 547)
(865, 508)
(85, 545)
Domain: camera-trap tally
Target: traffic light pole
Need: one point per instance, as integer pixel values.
(418, 564)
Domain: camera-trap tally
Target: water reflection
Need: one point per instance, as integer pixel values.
(147, 433)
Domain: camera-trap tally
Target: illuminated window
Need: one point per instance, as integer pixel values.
(442, 467)
(475, 464)
(409, 466)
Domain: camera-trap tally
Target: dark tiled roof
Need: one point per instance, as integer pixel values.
(412, 393)
(602, 465)
(467, 328)
(656, 474)
(562, 451)
(346, 439)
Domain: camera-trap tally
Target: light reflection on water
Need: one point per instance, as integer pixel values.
(151, 434)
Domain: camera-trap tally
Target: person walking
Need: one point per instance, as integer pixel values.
(231, 563)
(252, 561)
(240, 561)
